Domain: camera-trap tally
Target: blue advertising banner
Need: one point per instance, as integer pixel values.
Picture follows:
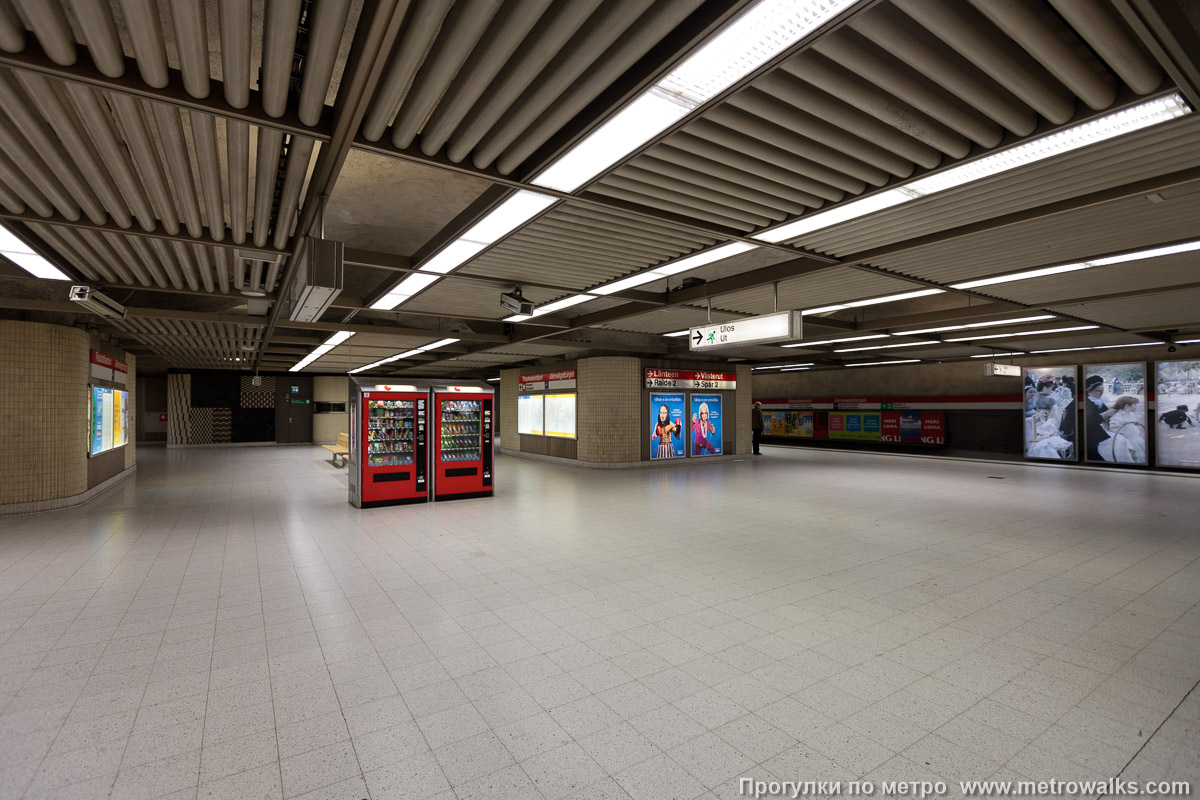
(706, 425)
(666, 426)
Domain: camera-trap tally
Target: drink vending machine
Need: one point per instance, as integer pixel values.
(389, 442)
(463, 459)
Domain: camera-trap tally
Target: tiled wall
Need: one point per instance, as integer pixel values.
(608, 413)
(179, 408)
(43, 411)
(507, 398)
(330, 389)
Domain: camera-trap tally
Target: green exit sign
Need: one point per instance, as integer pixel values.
(885, 406)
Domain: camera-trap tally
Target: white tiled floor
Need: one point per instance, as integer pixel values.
(225, 625)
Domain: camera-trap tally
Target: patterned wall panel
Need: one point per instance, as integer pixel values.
(202, 426)
(222, 425)
(179, 408)
(257, 396)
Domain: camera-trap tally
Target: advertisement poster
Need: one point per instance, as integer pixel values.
(706, 425)
(667, 426)
(109, 419)
(98, 419)
(775, 423)
(1114, 413)
(912, 427)
(1049, 404)
(858, 426)
(800, 423)
(1177, 425)
(530, 414)
(560, 415)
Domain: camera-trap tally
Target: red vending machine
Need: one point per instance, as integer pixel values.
(462, 440)
(389, 443)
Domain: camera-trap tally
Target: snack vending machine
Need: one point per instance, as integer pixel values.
(463, 413)
(389, 443)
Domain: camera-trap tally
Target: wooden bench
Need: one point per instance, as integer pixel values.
(341, 450)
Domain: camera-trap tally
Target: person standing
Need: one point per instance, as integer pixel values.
(756, 426)
(1094, 416)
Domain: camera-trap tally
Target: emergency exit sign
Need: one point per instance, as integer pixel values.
(781, 327)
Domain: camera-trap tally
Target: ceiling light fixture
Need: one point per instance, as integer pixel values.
(1187, 341)
(15, 250)
(405, 354)
(1134, 118)
(766, 30)
(333, 341)
(839, 341)
(684, 264)
(1022, 334)
(515, 211)
(1100, 347)
(549, 308)
(1138, 255)
(992, 324)
(1000, 355)
(884, 347)
(784, 366)
(880, 363)
(678, 333)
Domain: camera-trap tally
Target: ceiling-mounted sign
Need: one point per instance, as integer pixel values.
(1003, 369)
(781, 327)
(101, 365)
(547, 381)
(687, 379)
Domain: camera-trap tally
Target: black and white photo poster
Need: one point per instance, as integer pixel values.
(1177, 414)
(1049, 403)
(1114, 413)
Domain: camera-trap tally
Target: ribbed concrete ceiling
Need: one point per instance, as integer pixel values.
(142, 142)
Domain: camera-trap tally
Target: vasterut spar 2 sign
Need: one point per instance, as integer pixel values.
(688, 379)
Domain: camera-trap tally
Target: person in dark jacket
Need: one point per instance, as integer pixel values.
(1177, 418)
(756, 426)
(1094, 415)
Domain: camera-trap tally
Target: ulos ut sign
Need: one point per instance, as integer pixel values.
(781, 327)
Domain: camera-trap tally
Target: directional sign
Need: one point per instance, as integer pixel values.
(1003, 369)
(780, 327)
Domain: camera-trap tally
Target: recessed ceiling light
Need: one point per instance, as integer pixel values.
(767, 29)
(1134, 118)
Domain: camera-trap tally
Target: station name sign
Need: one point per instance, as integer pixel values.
(782, 327)
(686, 379)
(547, 381)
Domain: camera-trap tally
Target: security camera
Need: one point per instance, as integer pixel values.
(96, 302)
(1171, 349)
(514, 302)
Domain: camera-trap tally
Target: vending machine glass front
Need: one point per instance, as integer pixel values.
(393, 434)
(463, 451)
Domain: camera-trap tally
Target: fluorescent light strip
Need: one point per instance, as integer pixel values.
(767, 29)
(1022, 334)
(1131, 119)
(1157, 252)
(333, 341)
(1000, 355)
(1188, 341)
(784, 366)
(994, 323)
(891, 298)
(839, 341)
(550, 308)
(678, 333)
(884, 347)
(502, 220)
(1100, 347)
(17, 251)
(675, 267)
(796, 369)
(880, 363)
(406, 354)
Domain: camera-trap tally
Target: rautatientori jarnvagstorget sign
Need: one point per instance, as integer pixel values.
(781, 327)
